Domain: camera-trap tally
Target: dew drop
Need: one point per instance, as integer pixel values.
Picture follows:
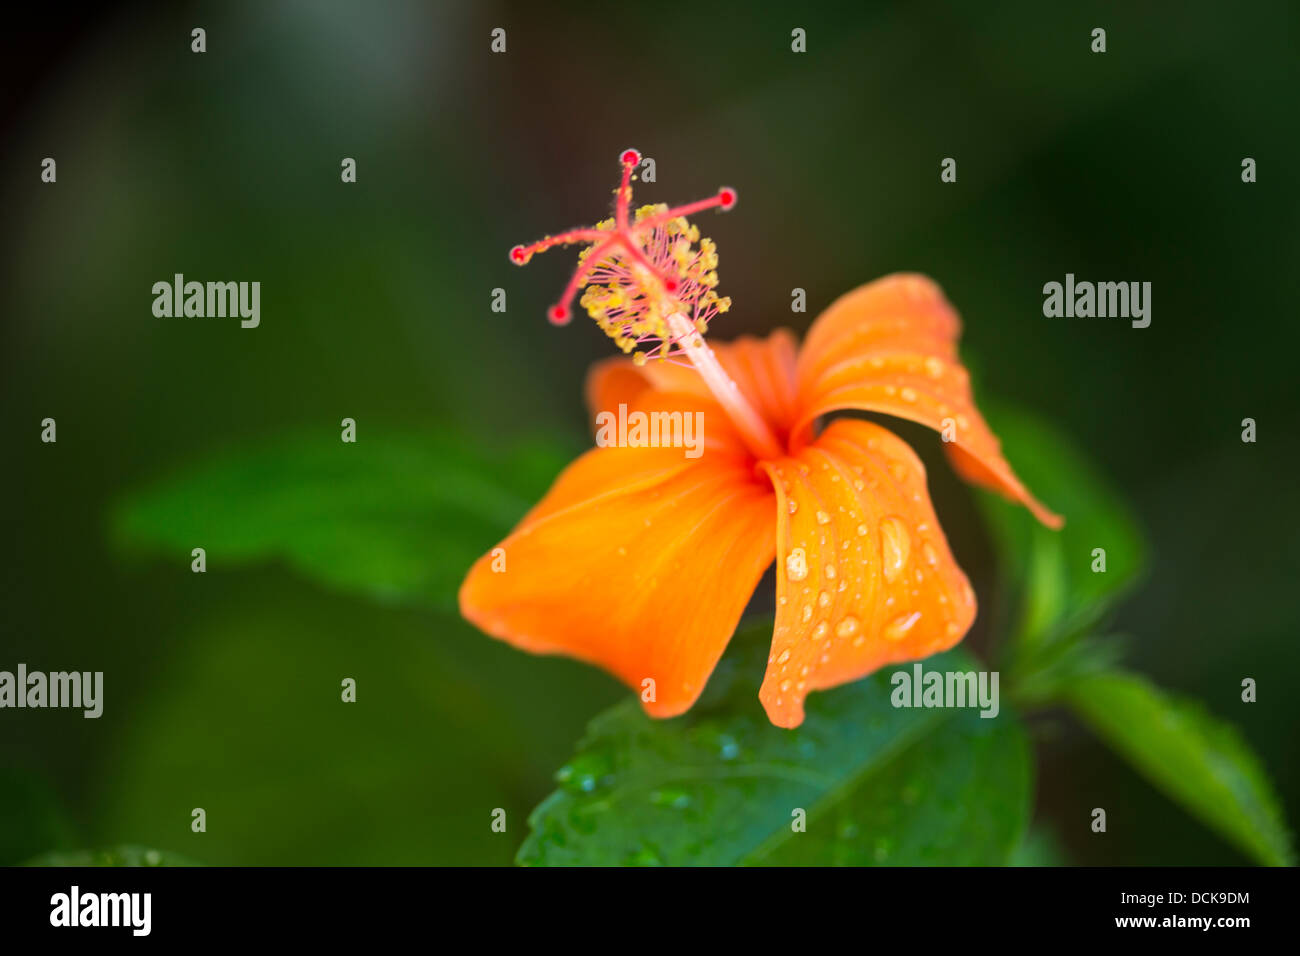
(807, 613)
(820, 631)
(847, 627)
(862, 529)
(829, 571)
(796, 565)
(933, 367)
(908, 394)
(931, 556)
(791, 506)
(823, 518)
(895, 547)
(897, 629)
(785, 656)
(823, 599)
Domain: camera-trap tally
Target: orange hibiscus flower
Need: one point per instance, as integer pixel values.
(641, 560)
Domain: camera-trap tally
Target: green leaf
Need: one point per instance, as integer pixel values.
(1040, 847)
(1044, 672)
(112, 856)
(720, 785)
(398, 518)
(1197, 760)
(1053, 570)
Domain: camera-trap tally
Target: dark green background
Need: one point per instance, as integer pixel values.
(222, 688)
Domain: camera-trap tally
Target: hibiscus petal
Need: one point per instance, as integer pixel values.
(864, 574)
(763, 370)
(638, 560)
(891, 346)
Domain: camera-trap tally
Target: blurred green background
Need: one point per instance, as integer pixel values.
(222, 689)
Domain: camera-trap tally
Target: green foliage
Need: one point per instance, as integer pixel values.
(443, 730)
(720, 785)
(1052, 571)
(112, 856)
(1199, 761)
(397, 518)
(1040, 847)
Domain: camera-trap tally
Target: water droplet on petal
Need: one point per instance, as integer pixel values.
(897, 629)
(823, 599)
(847, 627)
(829, 571)
(931, 556)
(796, 565)
(791, 506)
(785, 656)
(807, 613)
(823, 518)
(862, 529)
(933, 367)
(895, 547)
(908, 394)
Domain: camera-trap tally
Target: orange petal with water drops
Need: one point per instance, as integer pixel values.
(864, 574)
(639, 561)
(891, 346)
(763, 370)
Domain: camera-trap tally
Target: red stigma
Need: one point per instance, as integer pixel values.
(633, 249)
